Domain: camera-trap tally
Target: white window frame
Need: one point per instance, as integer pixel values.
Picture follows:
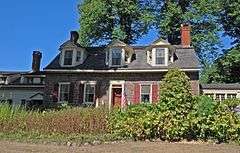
(220, 96)
(84, 93)
(68, 50)
(231, 95)
(80, 59)
(59, 90)
(122, 56)
(74, 56)
(150, 94)
(154, 56)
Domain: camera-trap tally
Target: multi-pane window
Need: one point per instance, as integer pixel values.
(145, 93)
(78, 56)
(231, 96)
(116, 56)
(220, 97)
(89, 93)
(210, 95)
(64, 91)
(68, 57)
(160, 56)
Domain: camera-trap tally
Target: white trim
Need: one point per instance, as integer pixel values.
(122, 56)
(74, 57)
(110, 71)
(63, 57)
(166, 53)
(84, 93)
(59, 92)
(115, 82)
(150, 94)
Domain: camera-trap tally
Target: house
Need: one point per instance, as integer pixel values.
(117, 74)
(23, 88)
(221, 92)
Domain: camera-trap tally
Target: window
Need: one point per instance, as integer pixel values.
(89, 93)
(23, 102)
(30, 80)
(78, 57)
(2, 80)
(145, 93)
(116, 56)
(220, 97)
(68, 57)
(160, 56)
(210, 95)
(231, 96)
(64, 91)
(36, 80)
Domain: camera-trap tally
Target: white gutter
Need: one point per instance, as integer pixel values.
(111, 71)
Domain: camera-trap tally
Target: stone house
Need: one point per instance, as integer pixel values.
(117, 74)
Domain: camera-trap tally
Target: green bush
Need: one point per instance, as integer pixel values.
(137, 121)
(210, 120)
(179, 115)
(176, 101)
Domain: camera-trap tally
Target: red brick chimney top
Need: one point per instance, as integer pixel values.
(185, 35)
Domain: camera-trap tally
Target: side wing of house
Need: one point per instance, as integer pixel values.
(221, 92)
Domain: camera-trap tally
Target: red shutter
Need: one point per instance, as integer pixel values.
(81, 92)
(55, 93)
(154, 93)
(136, 94)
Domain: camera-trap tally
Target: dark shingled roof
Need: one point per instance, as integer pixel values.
(185, 58)
(227, 86)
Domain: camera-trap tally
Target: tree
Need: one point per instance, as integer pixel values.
(230, 18)
(104, 20)
(225, 69)
(229, 66)
(175, 104)
(202, 15)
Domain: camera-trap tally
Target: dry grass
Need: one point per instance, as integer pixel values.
(66, 121)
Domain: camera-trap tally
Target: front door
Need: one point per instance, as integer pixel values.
(116, 97)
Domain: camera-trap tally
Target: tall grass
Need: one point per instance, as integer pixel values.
(65, 121)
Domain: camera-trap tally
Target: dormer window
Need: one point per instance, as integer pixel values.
(78, 56)
(68, 56)
(160, 56)
(116, 57)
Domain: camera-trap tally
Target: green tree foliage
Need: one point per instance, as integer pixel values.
(228, 66)
(202, 15)
(176, 101)
(104, 20)
(230, 18)
(210, 74)
(226, 69)
(179, 116)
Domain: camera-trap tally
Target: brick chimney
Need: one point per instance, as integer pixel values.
(185, 35)
(36, 61)
(74, 36)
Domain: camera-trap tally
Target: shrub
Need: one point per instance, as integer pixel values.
(137, 121)
(201, 118)
(179, 115)
(210, 120)
(176, 101)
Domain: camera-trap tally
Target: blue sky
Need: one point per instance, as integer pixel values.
(30, 25)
